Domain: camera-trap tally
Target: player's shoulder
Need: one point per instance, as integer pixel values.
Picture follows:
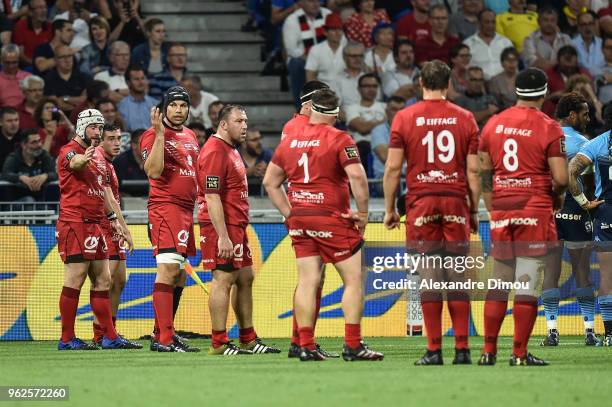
(187, 131)
(598, 143)
(409, 111)
(147, 135)
(297, 122)
(69, 150)
(214, 145)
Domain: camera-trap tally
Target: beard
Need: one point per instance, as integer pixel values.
(37, 152)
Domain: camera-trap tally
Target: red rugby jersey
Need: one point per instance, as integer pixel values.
(520, 140)
(221, 171)
(81, 192)
(177, 184)
(436, 136)
(313, 160)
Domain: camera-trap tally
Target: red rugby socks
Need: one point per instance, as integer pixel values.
(525, 312)
(494, 314)
(219, 338)
(100, 304)
(247, 335)
(162, 301)
(295, 336)
(307, 338)
(431, 303)
(459, 309)
(352, 335)
(68, 304)
(98, 332)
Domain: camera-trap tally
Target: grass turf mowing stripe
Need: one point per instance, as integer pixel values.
(577, 374)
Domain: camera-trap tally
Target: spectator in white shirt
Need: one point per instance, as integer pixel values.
(200, 100)
(587, 43)
(362, 117)
(379, 58)
(345, 84)
(541, 46)
(79, 16)
(401, 80)
(486, 46)
(301, 31)
(325, 60)
(119, 56)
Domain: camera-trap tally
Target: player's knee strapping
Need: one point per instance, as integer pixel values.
(528, 272)
(586, 301)
(170, 258)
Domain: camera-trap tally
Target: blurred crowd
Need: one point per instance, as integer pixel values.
(61, 57)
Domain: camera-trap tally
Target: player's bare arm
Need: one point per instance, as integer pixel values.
(359, 186)
(558, 170)
(154, 164)
(391, 181)
(273, 183)
(473, 178)
(80, 161)
(116, 209)
(486, 179)
(217, 217)
(111, 214)
(577, 166)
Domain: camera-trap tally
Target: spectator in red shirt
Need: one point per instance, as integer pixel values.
(558, 76)
(416, 24)
(605, 20)
(438, 43)
(359, 26)
(10, 76)
(567, 65)
(54, 127)
(30, 32)
(32, 87)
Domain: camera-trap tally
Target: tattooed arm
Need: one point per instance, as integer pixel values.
(576, 167)
(486, 179)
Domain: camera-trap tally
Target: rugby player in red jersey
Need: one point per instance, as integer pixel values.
(439, 141)
(524, 175)
(84, 202)
(319, 163)
(109, 148)
(170, 152)
(294, 126)
(223, 215)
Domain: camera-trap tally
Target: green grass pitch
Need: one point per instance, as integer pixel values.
(578, 375)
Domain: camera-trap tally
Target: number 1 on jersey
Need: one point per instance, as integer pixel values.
(304, 162)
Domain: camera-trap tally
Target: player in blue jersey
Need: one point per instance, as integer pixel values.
(598, 153)
(574, 230)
